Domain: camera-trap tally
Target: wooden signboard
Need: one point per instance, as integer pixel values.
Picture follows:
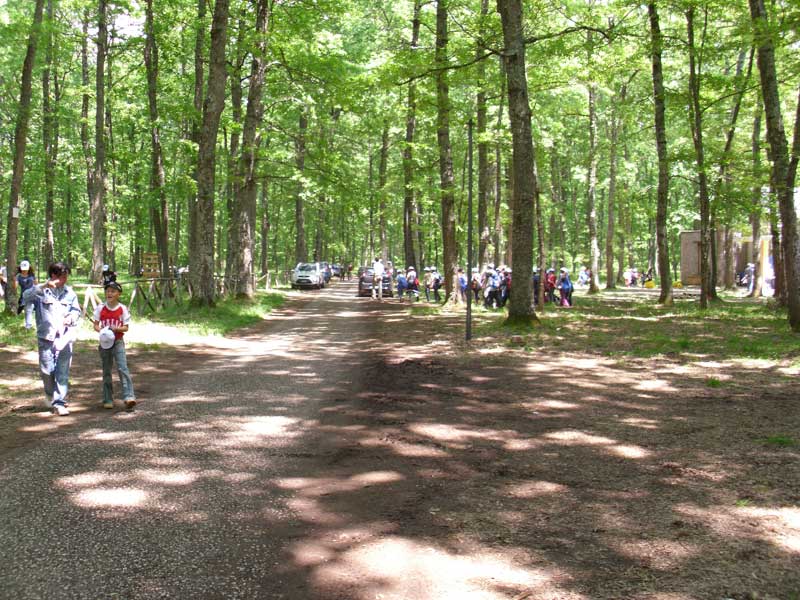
(150, 266)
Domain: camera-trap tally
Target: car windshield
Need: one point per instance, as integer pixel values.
(306, 267)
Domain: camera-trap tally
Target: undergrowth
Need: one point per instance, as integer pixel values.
(636, 326)
(228, 314)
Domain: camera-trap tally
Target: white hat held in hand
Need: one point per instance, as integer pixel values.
(107, 338)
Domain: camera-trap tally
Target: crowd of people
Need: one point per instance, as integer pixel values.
(490, 288)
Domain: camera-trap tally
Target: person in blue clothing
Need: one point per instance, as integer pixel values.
(57, 315)
(25, 280)
(565, 288)
(462, 286)
(401, 283)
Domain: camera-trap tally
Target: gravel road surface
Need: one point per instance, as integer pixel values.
(251, 472)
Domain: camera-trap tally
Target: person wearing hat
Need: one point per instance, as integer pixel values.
(565, 288)
(550, 285)
(108, 275)
(57, 314)
(25, 280)
(111, 321)
(462, 286)
(475, 284)
(412, 283)
(427, 282)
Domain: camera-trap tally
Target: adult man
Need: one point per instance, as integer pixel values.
(57, 314)
(377, 278)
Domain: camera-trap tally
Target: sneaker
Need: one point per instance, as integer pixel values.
(130, 403)
(108, 404)
(60, 410)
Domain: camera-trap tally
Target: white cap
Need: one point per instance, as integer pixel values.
(105, 267)
(107, 338)
(24, 265)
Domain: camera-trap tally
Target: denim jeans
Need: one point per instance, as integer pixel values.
(107, 357)
(54, 366)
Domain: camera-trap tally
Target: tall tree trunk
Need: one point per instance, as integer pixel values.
(265, 227)
(382, 170)
(232, 240)
(612, 187)
(49, 138)
(160, 212)
(203, 278)
(20, 142)
(97, 204)
(591, 184)
(497, 227)
(783, 170)
(88, 157)
(446, 177)
(756, 208)
(300, 250)
(484, 176)
(245, 181)
(525, 186)
(662, 202)
(199, 87)
(408, 152)
(702, 177)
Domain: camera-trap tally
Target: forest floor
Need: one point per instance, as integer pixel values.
(353, 449)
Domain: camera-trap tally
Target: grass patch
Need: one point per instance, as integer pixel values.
(14, 334)
(634, 325)
(421, 310)
(713, 382)
(229, 314)
(783, 441)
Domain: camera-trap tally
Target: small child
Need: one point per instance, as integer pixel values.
(115, 316)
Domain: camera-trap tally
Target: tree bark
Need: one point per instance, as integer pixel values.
(203, 278)
(160, 211)
(612, 188)
(300, 250)
(49, 138)
(232, 241)
(245, 182)
(756, 208)
(265, 227)
(662, 202)
(783, 171)
(702, 177)
(408, 152)
(97, 202)
(20, 142)
(446, 178)
(525, 186)
(484, 176)
(382, 173)
(591, 184)
(199, 86)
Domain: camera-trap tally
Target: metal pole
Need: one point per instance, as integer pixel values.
(469, 237)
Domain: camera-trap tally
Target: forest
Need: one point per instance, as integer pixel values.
(238, 137)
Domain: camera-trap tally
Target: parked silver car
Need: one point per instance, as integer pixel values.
(308, 275)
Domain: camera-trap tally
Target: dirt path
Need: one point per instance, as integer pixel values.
(344, 450)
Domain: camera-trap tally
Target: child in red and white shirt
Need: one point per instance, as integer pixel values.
(114, 315)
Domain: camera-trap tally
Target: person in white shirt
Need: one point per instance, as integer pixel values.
(377, 278)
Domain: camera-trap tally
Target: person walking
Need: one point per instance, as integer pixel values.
(57, 313)
(377, 278)
(565, 288)
(462, 286)
(25, 280)
(111, 320)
